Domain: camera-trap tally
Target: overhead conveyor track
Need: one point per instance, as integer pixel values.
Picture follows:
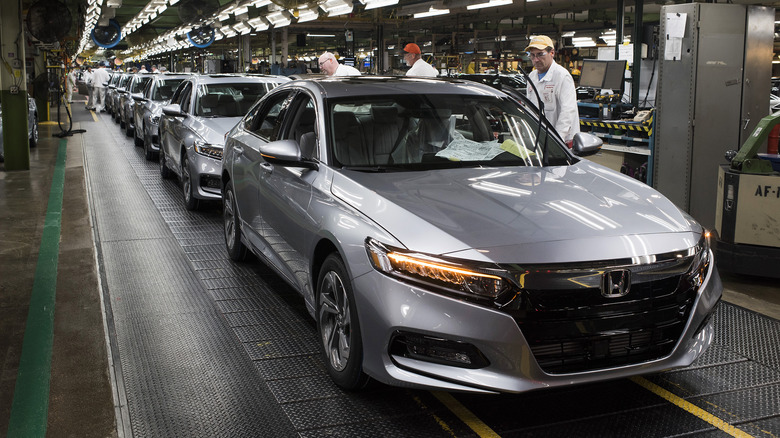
(207, 347)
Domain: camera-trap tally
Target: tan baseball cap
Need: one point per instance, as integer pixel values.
(541, 42)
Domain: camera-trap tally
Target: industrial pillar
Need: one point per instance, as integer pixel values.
(13, 85)
(620, 21)
(637, 41)
(285, 49)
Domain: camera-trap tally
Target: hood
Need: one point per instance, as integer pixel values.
(520, 214)
(213, 129)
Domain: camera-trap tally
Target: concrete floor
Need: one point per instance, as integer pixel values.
(81, 401)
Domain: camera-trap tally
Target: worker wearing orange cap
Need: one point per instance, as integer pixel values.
(555, 87)
(413, 58)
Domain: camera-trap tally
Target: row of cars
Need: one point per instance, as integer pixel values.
(440, 234)
(181, 119)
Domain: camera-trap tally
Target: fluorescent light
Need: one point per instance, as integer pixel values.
(490, 4)
(278, 19)
(320, 35)
(373, 4)
(336, 7)
(305, 15)
(261, 3)
(583, 42)
(259, 23)
(432, 12)
(241, 10)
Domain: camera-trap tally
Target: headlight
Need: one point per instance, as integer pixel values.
(701, 261)
(463, 277)
(209, 150)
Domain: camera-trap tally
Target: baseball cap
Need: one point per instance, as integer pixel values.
(412, 48)
(541, 42)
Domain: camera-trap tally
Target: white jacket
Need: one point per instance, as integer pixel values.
(559, 97)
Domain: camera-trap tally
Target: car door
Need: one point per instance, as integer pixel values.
(262, 125)
(175, 130)
(285, 193)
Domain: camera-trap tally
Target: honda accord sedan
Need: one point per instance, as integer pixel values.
(193, 126)
(441, 238)
(148, 108)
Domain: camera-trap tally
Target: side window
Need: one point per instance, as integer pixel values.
(303, 126)
(177, 94)
(184, 100)
(268, 120)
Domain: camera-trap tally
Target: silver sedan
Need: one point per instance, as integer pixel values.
(148, 109)
(193, 127)
(442, 239)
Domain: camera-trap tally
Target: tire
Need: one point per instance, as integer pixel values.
(338, 326)
(165, 172)
(236, 249)
(190, 201)
(139, 141)
(129, 129)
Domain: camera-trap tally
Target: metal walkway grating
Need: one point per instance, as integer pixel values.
(247, 309)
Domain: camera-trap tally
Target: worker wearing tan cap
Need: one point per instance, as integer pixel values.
(413, 58)
(555, 87)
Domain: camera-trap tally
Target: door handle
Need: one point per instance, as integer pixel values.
(238, 150)
(268, 167)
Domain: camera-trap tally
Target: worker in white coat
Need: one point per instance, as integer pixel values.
(555, 87)
(413, 58)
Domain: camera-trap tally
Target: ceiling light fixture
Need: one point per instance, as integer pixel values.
(305, 15)
(373, 4)
(490, 4)
(432, 12)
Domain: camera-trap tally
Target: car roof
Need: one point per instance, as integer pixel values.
(335, 87)
(234, 78)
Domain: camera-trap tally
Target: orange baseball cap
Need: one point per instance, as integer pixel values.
(412, 48)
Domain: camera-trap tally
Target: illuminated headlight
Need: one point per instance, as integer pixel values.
(209, 150)
(701, 261)
(463, 277)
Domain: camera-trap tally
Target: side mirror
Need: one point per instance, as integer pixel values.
(285, 153)
(138, 97)
(173, 110)
(585, 144)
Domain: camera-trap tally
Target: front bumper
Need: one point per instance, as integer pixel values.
(206, 176)
(387, 307)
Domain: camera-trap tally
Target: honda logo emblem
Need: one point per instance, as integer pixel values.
(615, 284)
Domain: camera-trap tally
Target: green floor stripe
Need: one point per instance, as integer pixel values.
(30, 407)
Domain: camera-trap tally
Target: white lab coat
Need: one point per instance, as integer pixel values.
(559, 97)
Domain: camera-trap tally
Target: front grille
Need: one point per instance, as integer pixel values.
(576, 330)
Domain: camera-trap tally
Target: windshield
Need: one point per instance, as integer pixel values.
(227, 100)
(434, 131)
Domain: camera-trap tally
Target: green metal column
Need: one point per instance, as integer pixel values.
(13, 85)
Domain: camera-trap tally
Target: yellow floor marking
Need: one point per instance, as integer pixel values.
(690, 407)
(465, 415)
(94, 116)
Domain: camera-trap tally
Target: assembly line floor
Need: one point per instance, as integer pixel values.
(200, 346)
